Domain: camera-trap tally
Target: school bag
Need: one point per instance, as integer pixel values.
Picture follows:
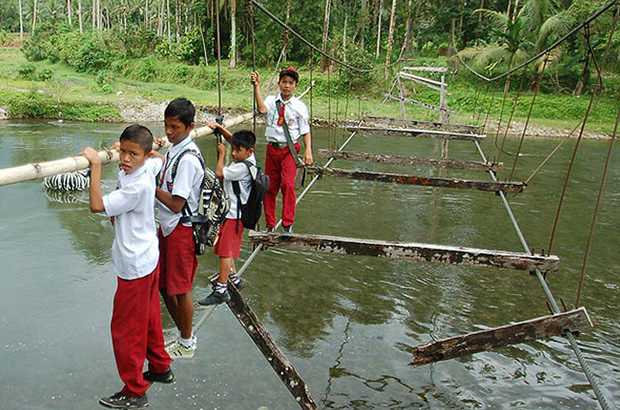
(213, 205)
(250, 212)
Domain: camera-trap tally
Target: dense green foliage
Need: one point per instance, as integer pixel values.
(175, 42)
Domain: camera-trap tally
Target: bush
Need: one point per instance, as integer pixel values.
(94, 55)
(44, 75)
(26, 71)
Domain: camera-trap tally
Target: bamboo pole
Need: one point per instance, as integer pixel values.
(37, 170)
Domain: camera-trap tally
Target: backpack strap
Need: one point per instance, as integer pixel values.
(187, 213)
(289, 141)
(237, 190)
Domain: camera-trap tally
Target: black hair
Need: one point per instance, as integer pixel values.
(289, 72)
(243, 138)
(140, 135)
(182, 108)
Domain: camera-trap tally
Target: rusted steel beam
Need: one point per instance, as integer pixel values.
(422, 124)
(414, 132)
(514, 187)
(265, 343)
(408, 250)
(405, 160)
(529, 330)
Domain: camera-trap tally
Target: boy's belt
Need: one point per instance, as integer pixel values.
(278, 145)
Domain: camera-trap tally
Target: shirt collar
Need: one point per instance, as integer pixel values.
(179, 146)
(285, 102)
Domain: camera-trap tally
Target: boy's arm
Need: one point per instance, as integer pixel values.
(95, 193)
(308, 159)
(219, 168)
(260, 103)
(173, 202)
(218, 127)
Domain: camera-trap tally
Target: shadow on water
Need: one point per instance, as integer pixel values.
(347, 323)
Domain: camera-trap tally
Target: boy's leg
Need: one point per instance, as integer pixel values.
(272, 169)
(158, 358)
(289, 172)
(180, 269)
(129, 328)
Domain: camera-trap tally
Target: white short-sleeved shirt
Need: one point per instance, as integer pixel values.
(238, 171)
(135, 251)
(295, 114)
(189, 177)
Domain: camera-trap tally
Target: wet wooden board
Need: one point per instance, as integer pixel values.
(417, 132)
(265, 343)
(456, 183)
(407, 160)
(527, 331)
(408, 250)
(421, 124)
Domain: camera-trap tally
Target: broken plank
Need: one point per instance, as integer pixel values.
(529, 330)
(427, 124)
(421, 80)
(408, 250)
(417, 132)
(456, 183)
(265, 343)
(432, 69)
(407, 160)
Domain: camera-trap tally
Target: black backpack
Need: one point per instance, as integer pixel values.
(213, 205)
(253, 208)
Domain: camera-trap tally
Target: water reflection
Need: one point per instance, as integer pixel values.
(347, 323)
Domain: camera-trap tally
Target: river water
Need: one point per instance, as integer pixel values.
(347, 323)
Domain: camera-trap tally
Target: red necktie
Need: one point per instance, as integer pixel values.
(281, 116)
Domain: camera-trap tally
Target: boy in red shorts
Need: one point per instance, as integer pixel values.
(136, 318)
(178, 191)
(228, 245)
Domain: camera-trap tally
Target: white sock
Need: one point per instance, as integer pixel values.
(221, 287)
(186, 342)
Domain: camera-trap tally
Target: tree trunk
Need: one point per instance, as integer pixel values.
(80, 16)
(93, 14)
(344, 34)
(233, 33)
(168, 23)
(480, 14)
(406, 45)
(286, 32)
(362, 23)
(324, 61)
(177, 11)
(34, 16)
(21, 21)
(146, 14)
(390, 38)
(379, 29)
(69, 12)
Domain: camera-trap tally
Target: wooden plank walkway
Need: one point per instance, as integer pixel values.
(456, 183)
(527, 331)
(408, 250)
(408, 160)
(416, 123)
(417, 132)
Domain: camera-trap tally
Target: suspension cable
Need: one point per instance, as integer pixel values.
(251, 15)
(219, 118)
(599, 84)
(547, 50)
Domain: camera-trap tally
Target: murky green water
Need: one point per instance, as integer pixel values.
(347, 323)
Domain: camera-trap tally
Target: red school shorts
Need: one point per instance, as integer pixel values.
(229, 242)
(177, 260)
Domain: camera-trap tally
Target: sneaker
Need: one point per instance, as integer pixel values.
(166, 377)
(269, 229)
(239, 285)
(215, 298)
(178, 351)
(120, 401)
(287, 230)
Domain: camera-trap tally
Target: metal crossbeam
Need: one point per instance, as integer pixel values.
(408, 250)
(418, 132)
(424, 124)
(456, 183)
(265, 343)
(407, 160)
(527, 331)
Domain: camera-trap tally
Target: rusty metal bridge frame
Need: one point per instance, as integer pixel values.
(558, 323)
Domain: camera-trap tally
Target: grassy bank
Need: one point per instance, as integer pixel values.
(46, 90)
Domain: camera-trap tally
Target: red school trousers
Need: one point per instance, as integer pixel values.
(281, 168)
(137, 332)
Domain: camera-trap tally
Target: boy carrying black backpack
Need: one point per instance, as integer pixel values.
(242, 181)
